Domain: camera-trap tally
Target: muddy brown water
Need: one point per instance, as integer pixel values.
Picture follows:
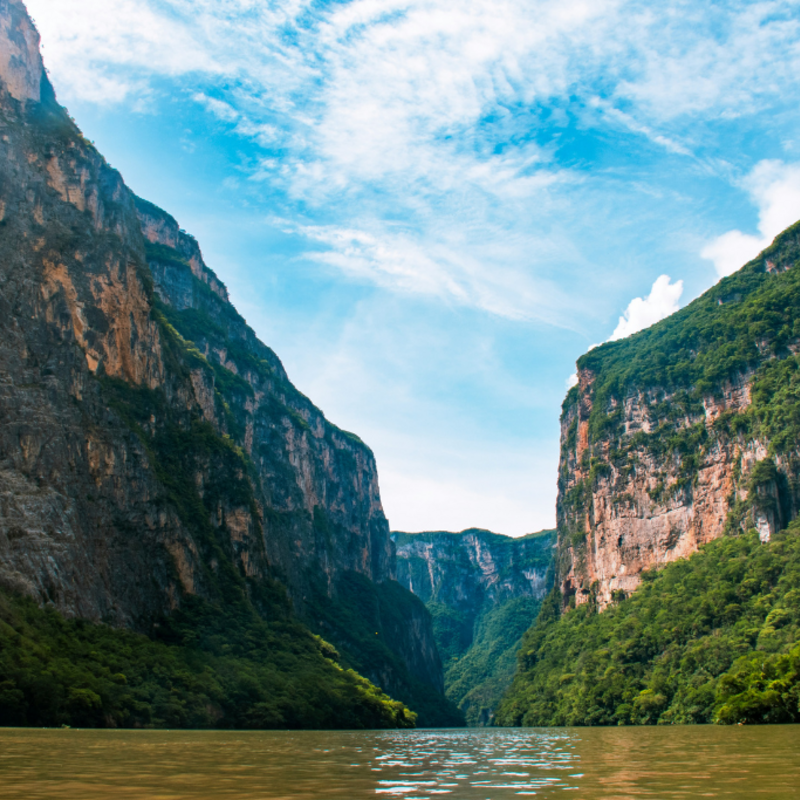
(494, 764)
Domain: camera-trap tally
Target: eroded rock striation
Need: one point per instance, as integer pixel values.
(682, 432)
(151, 447)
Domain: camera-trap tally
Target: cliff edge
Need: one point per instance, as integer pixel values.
(683, 432)
(153, 451)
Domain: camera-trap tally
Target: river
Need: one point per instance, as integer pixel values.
(578, 763)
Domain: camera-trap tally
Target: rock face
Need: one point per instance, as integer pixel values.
(148, 437)
(317, 486)
(484, 591)
(669, 438)
(469, 570)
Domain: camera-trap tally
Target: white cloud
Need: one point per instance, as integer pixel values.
(572, 380)
(433, 267)
(642, 312)
(394, 108)
(733, 250)
(104, 52)
(219, 108)
(774, 188)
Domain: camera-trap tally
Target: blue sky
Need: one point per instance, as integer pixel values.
(430, 210)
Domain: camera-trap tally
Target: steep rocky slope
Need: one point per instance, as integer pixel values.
(152, 449)
(710, 638)
(679, 490)
(679, 433)
(484, 591)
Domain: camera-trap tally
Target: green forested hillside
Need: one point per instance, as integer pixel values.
(749, 321)
(369, 622)
(483, 591)
(478, 677)
(746, 318)
(209, 666)
(713, 638)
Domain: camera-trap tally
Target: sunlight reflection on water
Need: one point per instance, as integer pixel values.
(586, 764)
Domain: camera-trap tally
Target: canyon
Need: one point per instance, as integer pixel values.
(152, 448)
(483, 590)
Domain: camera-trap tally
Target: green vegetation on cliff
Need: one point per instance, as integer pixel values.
(712, 638)
(749, 316)
(369, 622)
(478, 678)
(477, 587)
(748, 324)
(207, 666)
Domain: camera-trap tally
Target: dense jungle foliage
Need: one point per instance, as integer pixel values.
(367, 621)
(478, 678)
(208, 666)
(712, 638)
(478, 633)
(743, 320)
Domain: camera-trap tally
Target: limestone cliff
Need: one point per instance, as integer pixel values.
(484, 591)
(682, 432)
(468, 570)
(153, 449)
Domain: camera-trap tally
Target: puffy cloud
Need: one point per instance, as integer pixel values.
(732, 250)
(774, 188)
(642, 312)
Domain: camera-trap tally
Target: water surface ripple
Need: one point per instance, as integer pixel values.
(579, 763)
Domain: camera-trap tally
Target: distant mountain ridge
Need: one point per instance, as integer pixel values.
(483, 590)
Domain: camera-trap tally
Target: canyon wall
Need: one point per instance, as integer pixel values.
(152, 448)
(483, 591)
(677, 435)
(468, 570)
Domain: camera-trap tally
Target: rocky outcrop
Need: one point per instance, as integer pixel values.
(473, 569)
(21, 68)
(147, 436)
(664, 455)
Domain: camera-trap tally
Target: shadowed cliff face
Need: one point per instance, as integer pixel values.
(75, 484)
(679, 433)
(150, 442)
(317, 486)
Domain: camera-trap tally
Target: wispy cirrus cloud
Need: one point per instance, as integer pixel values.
(435, 268)
(425, 111)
